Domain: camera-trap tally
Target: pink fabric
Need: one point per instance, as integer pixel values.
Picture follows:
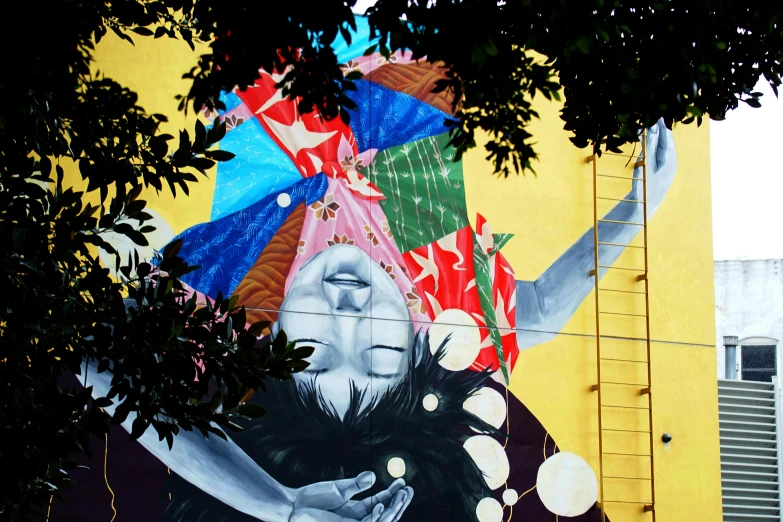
(367, 64)
(341, 217)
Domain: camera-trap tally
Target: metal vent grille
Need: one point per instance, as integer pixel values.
(749, 451)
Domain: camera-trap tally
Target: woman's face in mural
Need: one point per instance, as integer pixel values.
(348, 308)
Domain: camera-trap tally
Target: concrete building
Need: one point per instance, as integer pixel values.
(749, 325)
(749, 307)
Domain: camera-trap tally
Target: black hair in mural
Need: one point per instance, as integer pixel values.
(302, 440)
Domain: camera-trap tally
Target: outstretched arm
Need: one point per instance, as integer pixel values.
(214, 465)
(545, 305)
(222, 469)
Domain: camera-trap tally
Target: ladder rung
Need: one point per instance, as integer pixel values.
(620, 313)
(623, 200)
(620, 245)
(623, 268)
(619, 155)
(643, 388)
(621, 222)
(620, 291)
(619, 177)
(624, 360)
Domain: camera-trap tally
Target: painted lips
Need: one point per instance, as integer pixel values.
(347, 281)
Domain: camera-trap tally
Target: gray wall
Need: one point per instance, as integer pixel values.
(748, 303)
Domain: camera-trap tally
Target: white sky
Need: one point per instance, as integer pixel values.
(747, 178)
(747, 181)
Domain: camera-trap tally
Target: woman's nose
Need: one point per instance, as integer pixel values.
(347, 301)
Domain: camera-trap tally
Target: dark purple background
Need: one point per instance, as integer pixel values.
(138, 478)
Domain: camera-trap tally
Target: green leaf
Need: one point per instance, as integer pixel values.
(45, 165)
(201, 164)
(103, 402)
(132, 234)
(200, 141)
(138, 428)
(216, 132)
(142, 31)
(301, 352)
(172, 249)
(256, 328)
(122, 35)
(220, 155)
(251, 410)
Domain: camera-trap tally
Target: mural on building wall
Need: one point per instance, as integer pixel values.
(356, 239)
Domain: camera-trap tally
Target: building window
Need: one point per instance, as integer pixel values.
(759, 362)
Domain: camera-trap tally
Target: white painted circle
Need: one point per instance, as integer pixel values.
(283, 199)
(464, 343)
(430, 402)
(567, 484)
(396, 467)
(490, 458)
(489, 510)
(510, 497)
(488, 405)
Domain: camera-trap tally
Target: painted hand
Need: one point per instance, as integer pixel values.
(661, 166)
(331, 501)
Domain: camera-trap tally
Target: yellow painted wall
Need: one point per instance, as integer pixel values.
(153, 69)
(547, 212)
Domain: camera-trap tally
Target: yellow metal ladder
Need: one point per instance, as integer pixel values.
(626, 475)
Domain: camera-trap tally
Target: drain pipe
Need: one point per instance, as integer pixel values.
(730, 343)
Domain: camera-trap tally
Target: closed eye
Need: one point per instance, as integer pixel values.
(386, 375)
(315, 372)
(302, 341)
(382, 356)
(386, 347)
